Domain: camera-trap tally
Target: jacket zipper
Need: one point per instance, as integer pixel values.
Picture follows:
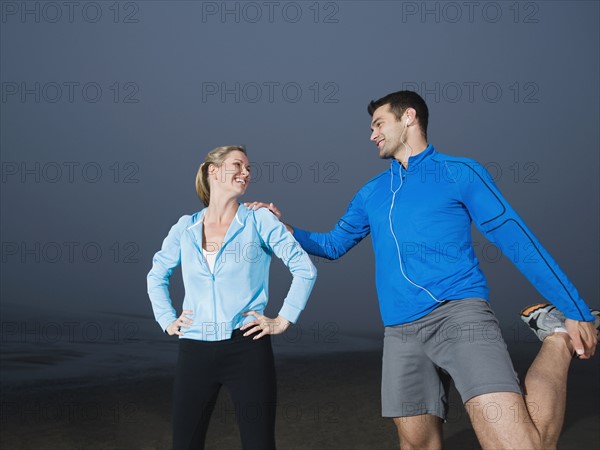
(214, 298)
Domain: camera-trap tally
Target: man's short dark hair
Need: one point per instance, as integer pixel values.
(399, 102)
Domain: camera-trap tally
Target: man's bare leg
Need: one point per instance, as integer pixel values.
(506, 420)
(423, 432)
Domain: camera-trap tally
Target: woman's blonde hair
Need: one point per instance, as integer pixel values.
(216, 156)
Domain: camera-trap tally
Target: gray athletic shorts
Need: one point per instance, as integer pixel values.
(460, 340)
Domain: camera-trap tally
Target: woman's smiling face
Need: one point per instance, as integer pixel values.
(233, 175)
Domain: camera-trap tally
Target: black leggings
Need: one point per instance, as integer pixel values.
(246, 368)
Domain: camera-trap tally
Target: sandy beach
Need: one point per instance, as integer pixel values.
(327, 401)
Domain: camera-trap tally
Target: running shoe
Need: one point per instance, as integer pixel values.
(545, 319)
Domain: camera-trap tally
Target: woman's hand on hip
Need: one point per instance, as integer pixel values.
(182, 322)
(265, 325)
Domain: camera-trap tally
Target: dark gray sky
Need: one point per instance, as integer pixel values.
(108, 109)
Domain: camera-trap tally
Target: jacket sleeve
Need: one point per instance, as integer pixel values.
(499, 223)
(163, 264)
(349, 231)
(280, 241)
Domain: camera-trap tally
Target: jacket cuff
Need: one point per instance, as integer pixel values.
(299, 234)
(587, 316)
(290, 312)
(165, 321)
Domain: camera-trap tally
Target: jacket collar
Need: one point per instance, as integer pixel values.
(414, 161)
(195, 229)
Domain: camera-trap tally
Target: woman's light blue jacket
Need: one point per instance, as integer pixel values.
(240, 281)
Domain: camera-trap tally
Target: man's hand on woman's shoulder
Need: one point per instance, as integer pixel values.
(270, 206)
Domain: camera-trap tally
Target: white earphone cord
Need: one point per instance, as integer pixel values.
(406, 146)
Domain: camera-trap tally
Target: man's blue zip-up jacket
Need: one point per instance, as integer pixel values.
(240, 280)
(420, 222)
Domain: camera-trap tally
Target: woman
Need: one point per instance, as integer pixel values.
(225, 252)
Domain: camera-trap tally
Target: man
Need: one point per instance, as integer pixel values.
(429, 285)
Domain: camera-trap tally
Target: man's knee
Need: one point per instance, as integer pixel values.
(502, 420)
(419, 432)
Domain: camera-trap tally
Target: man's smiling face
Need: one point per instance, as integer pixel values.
(386, 132)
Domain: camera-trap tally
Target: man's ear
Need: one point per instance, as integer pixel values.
(410, 116)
